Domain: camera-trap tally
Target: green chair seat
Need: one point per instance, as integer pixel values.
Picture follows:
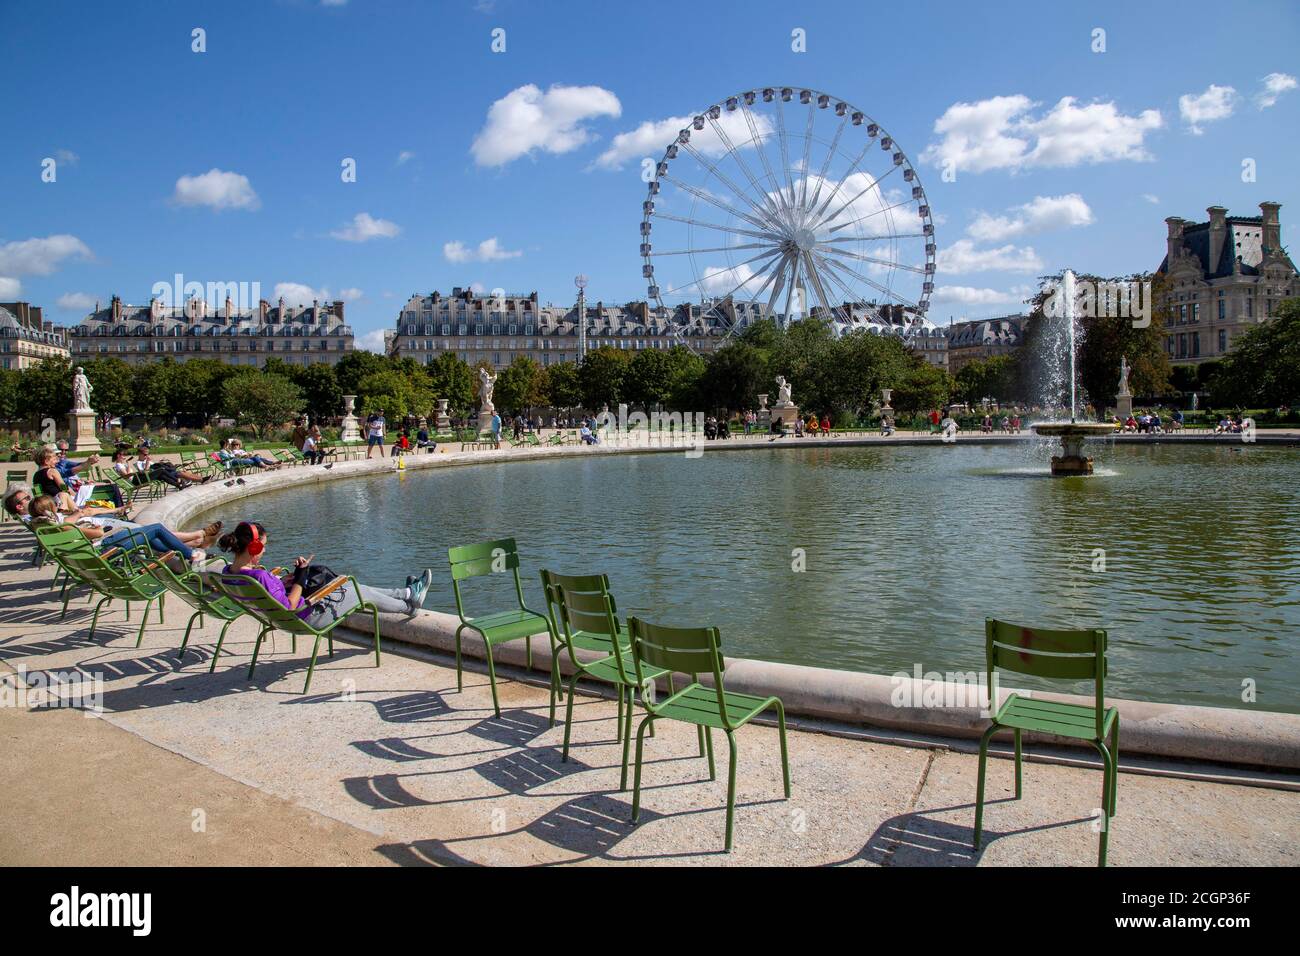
(507, 625)
(698, 704)
(611, 671)
(1049, 717)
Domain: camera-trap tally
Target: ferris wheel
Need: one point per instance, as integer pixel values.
(786, 203)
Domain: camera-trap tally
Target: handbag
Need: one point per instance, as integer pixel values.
(318, 575)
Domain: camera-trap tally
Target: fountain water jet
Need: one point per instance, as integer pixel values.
(1072, 460)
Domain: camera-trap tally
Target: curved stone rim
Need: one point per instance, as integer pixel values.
(1222, 735)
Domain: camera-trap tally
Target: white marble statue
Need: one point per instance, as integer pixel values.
(81, 389)
(1123, 375)
(487, 382)
(782, 392)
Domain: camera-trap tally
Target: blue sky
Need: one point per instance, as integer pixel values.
(1063, 156)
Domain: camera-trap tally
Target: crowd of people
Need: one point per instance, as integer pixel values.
(1007, 424)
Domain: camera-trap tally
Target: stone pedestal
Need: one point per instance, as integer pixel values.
(786, 414)
(442, 422)
(485, 413)
(81, 431)
(351, 430)
(1123, 407)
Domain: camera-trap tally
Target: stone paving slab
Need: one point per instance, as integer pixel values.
(393, 765)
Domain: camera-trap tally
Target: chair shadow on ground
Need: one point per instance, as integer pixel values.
(920, 839)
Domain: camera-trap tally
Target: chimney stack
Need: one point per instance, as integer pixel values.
(1218, 230)
(338, 310)
(1272, 227)
(1175, 240)
(117, 308)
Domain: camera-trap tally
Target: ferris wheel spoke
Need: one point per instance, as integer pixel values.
(733, 230)
(851, 297)
(765, 212)
(762, 153)
(880, 262)
(845, 225)
(845, 178)
(785, 150)
(701, 279)
(687, 252)
(886, 237)
(807, 152)
(725, 207)
(748, 279)
(814, 276)
(826, 163)
(874, 184)
(744, 167)
(884, 290)
(780, 283)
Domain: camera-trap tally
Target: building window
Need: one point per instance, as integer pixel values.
(1221, 308)
(1196, 312)
(1250, 308)
(1223, 339)
(1196, 344)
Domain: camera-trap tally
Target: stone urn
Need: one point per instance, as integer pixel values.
(351, 431)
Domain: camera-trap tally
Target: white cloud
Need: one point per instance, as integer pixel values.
(365, 227)
(526, 119)
(719, 279)
(216, 188)
(1001, 133)
(1216, 103)
(350, 295)
(1038, 215)
(652, 137)
(405, 156)
(1151, 198)
(75, 302)
(969, 295)
(40, 257)
(1275, 84)
(372, 341)
(10, 288)
(489, 250)
(963, 256)
(69, 158)
(333, 3)
(298, 293)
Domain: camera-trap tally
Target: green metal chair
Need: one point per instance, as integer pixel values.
(12, 477)
(601, 643)
(191, 588)
(1060, 655)
(694, 651)
(588, 617)
(85, 565)
(249, 594)
(478, 560)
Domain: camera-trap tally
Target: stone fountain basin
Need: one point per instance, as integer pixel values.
(1063, 429)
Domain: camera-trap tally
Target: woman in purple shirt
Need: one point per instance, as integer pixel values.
(248, 541)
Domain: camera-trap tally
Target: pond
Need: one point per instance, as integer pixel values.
(877, 559)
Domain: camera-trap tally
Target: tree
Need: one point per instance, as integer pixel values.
(521, 385)
(994, 377)
(111, 379)
(262, 401)
(649, 378)
(46, 391)
(197, 391)
(1263, 368)
(687, 375)
(857, 366)
(397, 394)
(563, 384)
(148, 390)
(602, 377)
(733, 376)
(924, 386)
(355, 366)
(450, 377)
(321, 395)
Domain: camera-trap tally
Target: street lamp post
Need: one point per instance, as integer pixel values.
(581, 282)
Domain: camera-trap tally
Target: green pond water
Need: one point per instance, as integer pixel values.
(904, 551)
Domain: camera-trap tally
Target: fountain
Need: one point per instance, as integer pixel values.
(1072, 460)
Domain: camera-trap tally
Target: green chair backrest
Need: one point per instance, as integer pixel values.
(551, 584)
(686, 650)
(17, 477)
(1053, 654)
(250, 595)
(477, 560)
(590, 608)
(86, 564)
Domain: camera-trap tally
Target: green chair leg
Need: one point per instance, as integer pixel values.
(1018, 754)
(618, 726)
(785, 751)
(636, 777)
(1105, 802)
(374, 614)
(460, 685)
(162, 599)
(144, 619)
(257, 646)
(221, 639)
(311, 665)
(568, 716)
(731, 787)
(708, 750)
(94, 620)
(1114, 763)
(196, 616)
(699, 732)
(979, 785)
(492, 678)
(555, 685)
(627, 739)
